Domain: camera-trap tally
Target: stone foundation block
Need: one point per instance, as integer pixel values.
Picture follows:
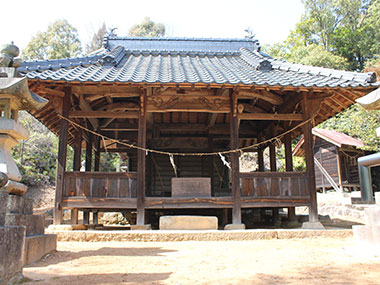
(53, 228)
(12, 240)
(312, 226)
(141, 227)
(20, 205)
(3, 206)
(234, 227)
(367, 236)
(372, 216)
(34, 223)
(37, 247)
(188, 223)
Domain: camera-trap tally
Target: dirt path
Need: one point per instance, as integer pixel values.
(313, 261)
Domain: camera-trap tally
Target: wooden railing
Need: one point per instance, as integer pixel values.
(100, 184)
(274, 184)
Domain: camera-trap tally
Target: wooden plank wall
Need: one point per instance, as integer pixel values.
(326, 154)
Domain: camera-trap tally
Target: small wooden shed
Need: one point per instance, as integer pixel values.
(335, 157)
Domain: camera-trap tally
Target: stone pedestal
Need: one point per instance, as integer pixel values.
(368, 236)
(37, 244)
(12, 239)
(188, 223)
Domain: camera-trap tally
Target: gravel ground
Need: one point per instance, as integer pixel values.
(296, 261)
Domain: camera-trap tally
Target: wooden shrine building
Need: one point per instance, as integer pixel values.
(183, 110)
(336, 159)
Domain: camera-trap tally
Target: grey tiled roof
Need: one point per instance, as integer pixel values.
(209, 61)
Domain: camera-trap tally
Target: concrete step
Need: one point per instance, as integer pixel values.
(37, 247)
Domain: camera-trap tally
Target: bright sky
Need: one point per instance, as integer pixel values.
(270, 20)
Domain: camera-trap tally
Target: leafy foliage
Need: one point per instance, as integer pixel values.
(147, 28)
(36, 157)
(60, 40)
(357, 122)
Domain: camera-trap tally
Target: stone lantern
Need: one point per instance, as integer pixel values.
(22, 238)
(14, 96)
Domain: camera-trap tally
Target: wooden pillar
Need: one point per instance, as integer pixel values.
(309, 157)
(210, 163)
(97, 154)
(76, 167)
(95, 217)
(89, 152)
(260, 158)
(141, 142)
(77, 152)
(235, 175)
(272, 157)
(86, 217)
(289, 167)
(62, 152)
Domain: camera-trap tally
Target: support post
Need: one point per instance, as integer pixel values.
(272, 157)
(77, 152)
(260, 158)
(141, 142)
(289, 167)
(309, 157)
(97, 154)
(62, 153)
(235, 177)
(89, 152)
(76, 167)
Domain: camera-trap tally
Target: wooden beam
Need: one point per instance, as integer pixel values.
(61, 161)
(126, 106)
(263, 95)
(102, 114)
(212, 120)
(271, 117)
(85, 106)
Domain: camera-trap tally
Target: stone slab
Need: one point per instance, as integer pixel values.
(35, 224)
(377, 198)
(12, 240)
(367, 235)
(37, 247)
(188, 223)
(67, 227)
(178, 236)
(234, 227)
(141, 227)
(20, 205)
(312, 226)
(372, 216)
(3, 206)
(191, 187)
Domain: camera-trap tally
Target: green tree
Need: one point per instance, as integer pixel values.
(357, 122)
(97, 40)
(36, 157)
(60, 40)
(147, 28)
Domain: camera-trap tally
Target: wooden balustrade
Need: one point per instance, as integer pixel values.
(274, 184)
(99, 184)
